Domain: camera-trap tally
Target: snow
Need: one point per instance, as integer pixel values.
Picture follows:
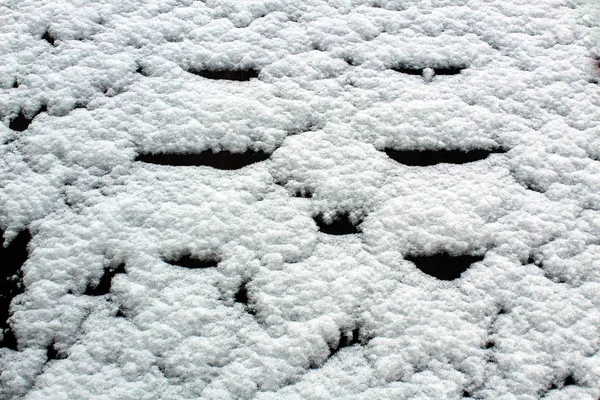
(328, 316)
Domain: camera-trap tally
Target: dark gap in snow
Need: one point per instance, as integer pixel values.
(52, 353)
(21, 122)
(423, 158)
(444, 266)
(303, 193)
(466, 394)
(230, 75)
(48, 38)
(242, 297)
(408, 70)
(16, 84)
(339, 225)
(103, 286)
(224, 160)
(140, 70)
(347, 339)
(188, 260)
(490, 344)
(12, 258)
(121, 313)
(448, 70)
(568, 380)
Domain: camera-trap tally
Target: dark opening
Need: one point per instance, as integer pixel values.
(444, 266)
(408, 70)
(347, 339)
(16, 84)
(140, 70)
(193, 262)
(53, 354)
(303, 193)
(448, 70)
(225, 160)
(121, 312)
(12, 258)
(230, 75)
(340, 225)
(48, 38)
(103, 286)
(21, 122)
(423, 158)
(490, 344)
(242, 297)
(466, 394)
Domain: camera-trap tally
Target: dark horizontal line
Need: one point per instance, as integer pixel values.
(225, 160)
(231, 75)
(422, 158)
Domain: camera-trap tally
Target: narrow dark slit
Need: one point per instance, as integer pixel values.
(339, 225)
(347, 339)
(448, 70)
(103, 286)
(408, 70)
(230, 75)
(193, 262)
(52, 353)
(48, 38)
(225, 160)
(444, 266)
(423, 158)
(303, 193)
(140, 70)
(12, 258)
(21, 122)
(16, 84)
(242, 297)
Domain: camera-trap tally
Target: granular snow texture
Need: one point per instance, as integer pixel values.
(300, 199)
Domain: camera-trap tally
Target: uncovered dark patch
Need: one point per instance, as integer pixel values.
(241, 296)
(188, 260)
(448, 70)
(347, 339)
(339, 225)
(102, 287)
(408, 70)
(140, 70)
(48, 38)
(226, 74)
(16, 84)
(444, 266)
(423, 158)
(224, 160)
(303, 193)
(568, 380)
(52, 353)
(22, 122)
(12, 258)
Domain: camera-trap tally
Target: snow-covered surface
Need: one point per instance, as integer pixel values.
(517, 325)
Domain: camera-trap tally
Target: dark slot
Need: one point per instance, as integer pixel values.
(230, 75)
(242, 297)
(21, 122)
(408, 70)
(16, 84)
(140, 70)
(466, 394)
(12, 258)
(340, 225)
(225, 160)
(444, 266)
(346, 340)
(189, 261)
(303, 193)
(53, 354)
(103, 286)
(121, 313)
(423, 158)
(48, 38)
(569, 381)
(448, 70)
(490, 344)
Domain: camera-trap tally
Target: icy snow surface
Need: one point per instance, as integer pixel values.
(225, 201)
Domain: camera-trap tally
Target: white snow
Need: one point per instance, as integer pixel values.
(326, 106)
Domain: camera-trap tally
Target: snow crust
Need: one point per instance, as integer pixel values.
(326, 104)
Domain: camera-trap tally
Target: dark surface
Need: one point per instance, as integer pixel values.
(448, 70)
(423, 158)
(21, 122)
(230, 75)
(224, 160)
(444, 266)
(103, 286)
(53, 354)
(12, 259)
(340, 225)
(243, 297)
(48, 38)
(16, 84)
(346, 340)
(408, 70)
(189, 261)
